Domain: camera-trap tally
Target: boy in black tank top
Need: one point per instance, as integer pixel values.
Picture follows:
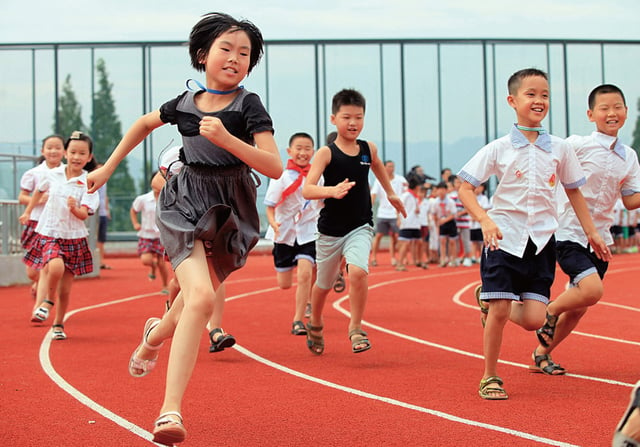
(345, 226)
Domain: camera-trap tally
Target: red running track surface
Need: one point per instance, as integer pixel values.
(417, 386)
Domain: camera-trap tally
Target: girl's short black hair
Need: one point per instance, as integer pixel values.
(214, 24)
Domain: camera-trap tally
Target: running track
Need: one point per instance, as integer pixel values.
(416, 387)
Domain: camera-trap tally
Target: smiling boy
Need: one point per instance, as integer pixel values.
(518, 263)
(612, 170)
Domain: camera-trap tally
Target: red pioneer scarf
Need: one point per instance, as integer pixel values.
(302, 173)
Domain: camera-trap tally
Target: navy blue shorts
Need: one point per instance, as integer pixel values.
(387, 226)
(578, 261)
(409, 234)
(505, 276)
(448, 229)
(476, 235)
(285, 257)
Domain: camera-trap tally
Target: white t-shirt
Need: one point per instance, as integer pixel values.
(525, 202)
(298, 217)
(145, 204)
(56, 219)
(30, 181)
(385, 210)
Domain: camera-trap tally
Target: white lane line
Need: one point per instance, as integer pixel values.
(390, 401)
(48, 368)
(456, 298)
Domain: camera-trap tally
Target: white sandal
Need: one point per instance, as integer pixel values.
(41, 314)
(137, 364)
(167, 430)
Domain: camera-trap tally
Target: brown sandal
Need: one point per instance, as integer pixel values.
(315, 343)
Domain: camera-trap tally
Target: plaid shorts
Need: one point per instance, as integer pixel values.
(29, 234)
(150, 246)
(74, 252)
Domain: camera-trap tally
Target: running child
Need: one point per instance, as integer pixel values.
(62, 233)
(293, 225)
(52, 152)
(150, 249)
(612, 171)
(410, 226)
(345, 225)
(207, 213)
(518, 264)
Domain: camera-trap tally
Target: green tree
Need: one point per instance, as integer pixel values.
(69, 114)
(635, 144)
(106, 131)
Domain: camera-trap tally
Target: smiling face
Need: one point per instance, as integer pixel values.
(301, 151)
(78, 154)
(227, 61)
(609, 113)
(349, 121)
(53, 151)
(531, 101)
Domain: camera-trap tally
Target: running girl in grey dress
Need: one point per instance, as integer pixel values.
(207, 213)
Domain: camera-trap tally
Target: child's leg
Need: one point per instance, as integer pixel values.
(42, 289)
(586, 293)
(163, 269)
(305, 277)
(55, 271)
(318, 298)
(402, 253)
(285, 279)
(529, 314)
(443, 250)
(63, 297)
(218, 307)
(492, 337)
(453, 250)
(393, 243)
(148, 260)
(195, 277)
(358, 288)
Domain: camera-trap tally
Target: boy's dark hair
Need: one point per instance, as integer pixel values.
(603, 89)
(347, 97)
(78, 135)
(441, 185)
(214, 24)
(452, 178)
(331, 137)
(300, 135)
(516, 79)
(414, 181)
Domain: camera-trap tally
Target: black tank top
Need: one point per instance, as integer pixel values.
(340, 216)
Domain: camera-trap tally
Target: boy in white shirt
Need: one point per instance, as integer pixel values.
(293, 225)
(410, 225)
(518, 265)
(612, 170)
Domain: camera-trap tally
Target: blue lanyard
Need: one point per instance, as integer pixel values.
(210, 90)
(531, 129)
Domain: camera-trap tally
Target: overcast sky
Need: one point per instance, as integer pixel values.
(40, 21)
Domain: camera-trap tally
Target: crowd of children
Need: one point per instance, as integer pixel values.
(203, 216)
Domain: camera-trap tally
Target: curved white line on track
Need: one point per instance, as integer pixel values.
(337, 305)
(85, 400)
(48, 368)
(398, 403)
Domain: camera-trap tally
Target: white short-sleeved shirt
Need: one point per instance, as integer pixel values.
(56, 220)
(30, 181)
(441, 208)
(169, 160)
(145, 204)
(525, 201)
(298, 216)
(385, 210)
(412, 207)
(424, 212)
(612, 171)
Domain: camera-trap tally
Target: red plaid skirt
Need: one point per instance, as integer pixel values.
(29, 234)
(74, 252)
(150, 246)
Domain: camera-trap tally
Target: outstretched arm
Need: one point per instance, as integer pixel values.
(312, 191)
(134, 136)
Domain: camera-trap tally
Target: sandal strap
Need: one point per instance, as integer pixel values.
(357, 331)
(146, 335)
(61, 326)
(490, 380)
(164, 418)
(314, 328)
(49, 302)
